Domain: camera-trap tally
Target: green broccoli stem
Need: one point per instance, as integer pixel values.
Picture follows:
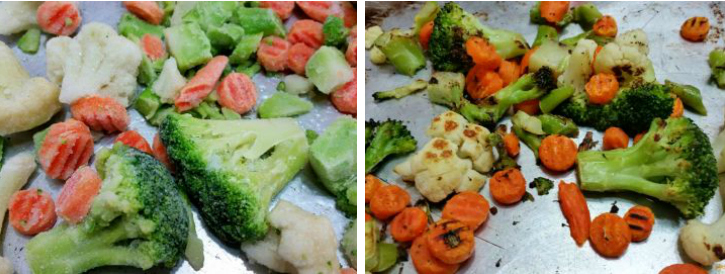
(554, 124)
(555, 98)
(716, 59)
(545, 33)
(508, 44)
(400, 92)
(426, 14)
(689, 95)
(71, 249)
(531, 140)
(403, 52)
(586, 15)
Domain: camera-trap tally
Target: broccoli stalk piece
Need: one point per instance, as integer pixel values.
(427, 13)
(528, 87)
(535, 17)
(632, 110)
(388, 138)
(716, 59)
(232, 169)
(402, 51)
(689, 95)
(453, 26)
(401, 92)
(504, 161)
(550, 124)
(542, 185)
(332, 157)
(673, 162)
(557, 96)
(138, 219)
(545, 33)
(586, 16)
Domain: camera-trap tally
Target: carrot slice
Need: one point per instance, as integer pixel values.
(507, 186)
(575, 210)
(683, 269)
(511, 144)
(297, 57)
(58, 17)
(283, 9)
(451, 241)
(695, 29)
(531, 107)
(67, 146)
(678, 109)
(557, 152)
(272, 53)
(467, 207)
(237, 92)
(153, 47)
(482, 83)
(351, 53)
(526, 58)
(100, 113)
(602, 88)
(483, 53)
(149, 11)
(388, 201)
(320, 10)
(345, 98)
(614, 138)
(509, 72)
(553, 11)
(425, 263)
(408, 224)
(640, 220)
(372, 184)
(201, 84)
(77, 195)
(160, 153)
(638, 137)
(425, 33)
(348, 271)
(31, 211)
(133, 139)
(609, 235)
(605, 27)
(368, 217)
(308, 32)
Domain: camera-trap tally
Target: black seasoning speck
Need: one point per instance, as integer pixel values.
(493, 210)
(498, 263)
(516, 222)
(614, 209)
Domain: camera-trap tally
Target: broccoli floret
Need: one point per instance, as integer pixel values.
(370, 126)
(673, 162)
(453, 26)
(138, 219)
(332, 157)
(632, 110)
(388, 138)
(529, 87)
(401, 92)
(335, 32)
(542, 185)
(231, 169)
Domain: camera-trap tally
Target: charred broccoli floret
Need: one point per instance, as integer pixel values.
(673, 162)
(388, 138)
(542, 185)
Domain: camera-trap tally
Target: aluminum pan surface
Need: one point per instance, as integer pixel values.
(303, 191)
(530, 237)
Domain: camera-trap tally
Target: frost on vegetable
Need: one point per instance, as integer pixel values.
(170, 82)
(17, 16)
(282, 104)
(328, 69)
(255, 20)
(452, 161)
(189, 45)
(332, 157)
(24, 102)
(102, 63)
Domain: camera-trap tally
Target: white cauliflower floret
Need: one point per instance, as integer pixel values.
(626, 58)
(306, 243)
(579, 68)
(97, 61)
(24, 102)
(17, 16)
(437, 170)
(550, 54)
(470, 138)
(704, 243)
(170, 82)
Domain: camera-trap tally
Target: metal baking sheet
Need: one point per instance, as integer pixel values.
(530, 237)
(303, 191)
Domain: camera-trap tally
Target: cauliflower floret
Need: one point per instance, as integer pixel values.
(96, 61)
(306, 243)
(24, 102)
(438, 171)
(170, 82)
(704, 243)
(470, 138)
(579, 68)
(626, 58)
(550, 54)
(17, 16)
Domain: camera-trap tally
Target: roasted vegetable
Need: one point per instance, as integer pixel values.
(673, 162)
(386, 139)
(716, 59)
(400, 92)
